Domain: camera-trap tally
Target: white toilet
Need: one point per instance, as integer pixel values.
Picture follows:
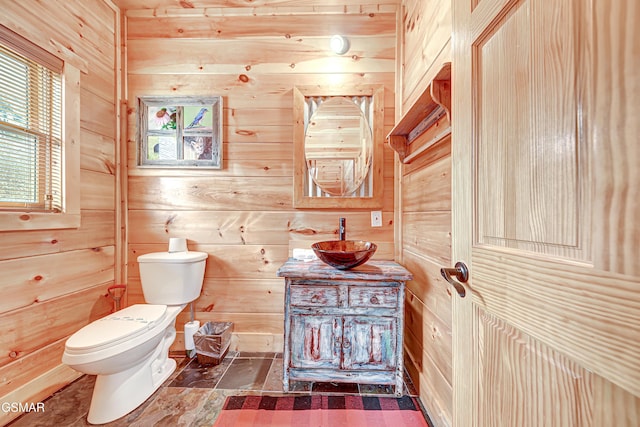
(129, 349)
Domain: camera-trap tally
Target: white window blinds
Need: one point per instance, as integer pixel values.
(30, 126)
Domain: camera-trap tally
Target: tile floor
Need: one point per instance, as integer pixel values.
(194, 394)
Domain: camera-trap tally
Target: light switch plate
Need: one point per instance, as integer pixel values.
(376, 218)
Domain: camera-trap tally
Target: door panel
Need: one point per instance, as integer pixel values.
(545, 208)
(530, 173)
(563, 396)
(321, 344)
(369, 343)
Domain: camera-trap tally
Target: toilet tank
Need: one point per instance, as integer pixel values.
(172, 278)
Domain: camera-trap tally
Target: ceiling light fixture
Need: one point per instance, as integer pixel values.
(339, 44)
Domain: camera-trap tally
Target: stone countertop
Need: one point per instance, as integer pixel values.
(371, 270)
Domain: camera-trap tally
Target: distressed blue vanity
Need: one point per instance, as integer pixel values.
(344, 325)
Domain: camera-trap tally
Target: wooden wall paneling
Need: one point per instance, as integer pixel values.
(426, 31)
(246, 89)
(250, 227)
(33, 280)
(434, 391)
(428, 234)
(216, 193)
(242, 215)
(423, 210)
(97, 190)
(428, 285)
(96, 230)
(258, 296)
(265, 323)
(97, 153)
(428, 336)
(240, 159)
(259, 25)
(232, 261)
(98, 114)
(21, 371)
(58, 318)
(428, 189)
(244, 7)
(58, 278)
(262, 55)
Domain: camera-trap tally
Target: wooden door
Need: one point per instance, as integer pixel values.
(546, 212)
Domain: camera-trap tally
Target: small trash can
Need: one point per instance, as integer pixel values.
(212, 342)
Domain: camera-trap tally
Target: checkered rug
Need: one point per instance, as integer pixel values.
(320, 411)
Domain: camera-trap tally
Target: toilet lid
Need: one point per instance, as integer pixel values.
(116, 327)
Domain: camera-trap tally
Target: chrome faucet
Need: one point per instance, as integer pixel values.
(343, 229)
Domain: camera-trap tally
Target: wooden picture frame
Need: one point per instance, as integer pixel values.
(184, 132)
(301, 196)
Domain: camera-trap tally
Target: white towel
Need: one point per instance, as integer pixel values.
(304, 254)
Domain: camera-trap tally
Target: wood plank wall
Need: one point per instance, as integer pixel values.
(242, 215)
(423, 214)
(55, 281)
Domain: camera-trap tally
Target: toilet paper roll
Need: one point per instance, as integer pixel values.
(190, 328)
(177, 244)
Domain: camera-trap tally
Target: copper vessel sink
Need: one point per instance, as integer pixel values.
(344, 254)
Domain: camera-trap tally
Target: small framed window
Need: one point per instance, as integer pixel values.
(39, 137)
(30, 134)
(180, 132)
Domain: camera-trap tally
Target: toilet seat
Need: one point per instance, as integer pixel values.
(116, 328)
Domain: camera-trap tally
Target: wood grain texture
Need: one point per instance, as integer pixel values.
(56, 280)
(243, 216)
(426, 31)
(547, 335)
(246, 7)
(423, 209)
(561, 399)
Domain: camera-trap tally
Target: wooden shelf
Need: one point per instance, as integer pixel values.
(427, 121)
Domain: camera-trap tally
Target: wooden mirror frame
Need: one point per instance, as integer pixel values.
(300, 200)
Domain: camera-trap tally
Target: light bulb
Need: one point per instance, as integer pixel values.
(339, 44)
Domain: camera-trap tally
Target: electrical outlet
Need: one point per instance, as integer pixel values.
(376, 218)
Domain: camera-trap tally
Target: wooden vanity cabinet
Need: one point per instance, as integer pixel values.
(344, 325)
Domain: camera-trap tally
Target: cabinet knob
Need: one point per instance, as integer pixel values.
(346, 344)
(315, 299)
(374, 300)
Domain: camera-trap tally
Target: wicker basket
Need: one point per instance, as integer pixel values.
(212, 342)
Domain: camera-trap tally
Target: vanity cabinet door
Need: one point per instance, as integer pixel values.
(315, 341)
(369, 343)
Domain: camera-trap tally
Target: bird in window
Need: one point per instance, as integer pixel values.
(196, 121)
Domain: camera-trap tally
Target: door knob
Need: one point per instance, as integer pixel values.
(460, 272)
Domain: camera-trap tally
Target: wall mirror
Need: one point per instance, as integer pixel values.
(338, 152)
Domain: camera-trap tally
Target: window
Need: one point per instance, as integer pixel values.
(33, 158)
(182, 132)
(30, 134)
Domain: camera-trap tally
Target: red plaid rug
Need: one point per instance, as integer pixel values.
(320, 411)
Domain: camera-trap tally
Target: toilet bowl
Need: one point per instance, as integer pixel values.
(129, 350)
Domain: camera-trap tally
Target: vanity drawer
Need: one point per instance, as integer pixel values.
(373, 297)
(314, 296)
